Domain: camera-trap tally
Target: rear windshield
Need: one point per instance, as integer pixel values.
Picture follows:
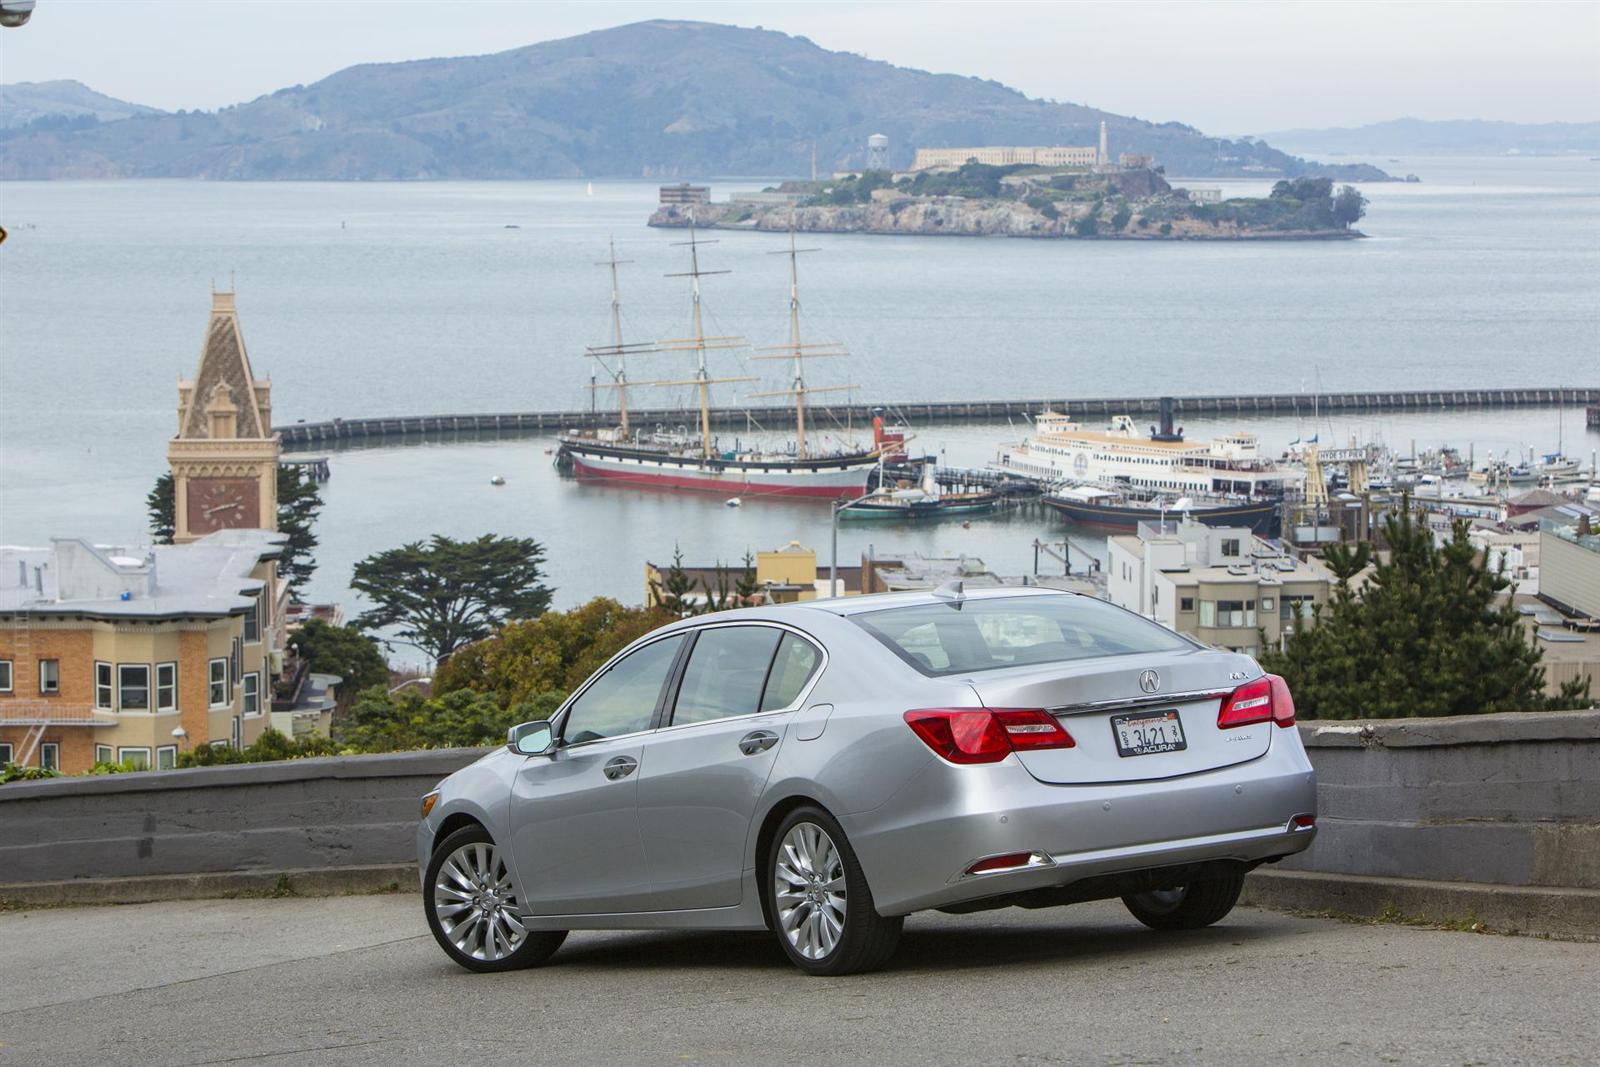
(959, 636)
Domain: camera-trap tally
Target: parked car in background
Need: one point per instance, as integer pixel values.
(824, 769)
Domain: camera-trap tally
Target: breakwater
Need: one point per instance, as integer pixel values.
(946, 411)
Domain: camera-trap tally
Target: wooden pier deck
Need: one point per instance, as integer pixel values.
(302, 434)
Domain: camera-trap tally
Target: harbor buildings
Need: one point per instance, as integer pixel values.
(684, 193)
(1006, 156)
(131, 654)
(783, 575)
(1221, 585)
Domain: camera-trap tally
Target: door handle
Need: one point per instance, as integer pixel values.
(619, 767)
(757, 741)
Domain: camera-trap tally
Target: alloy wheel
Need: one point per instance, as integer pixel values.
(476, 905)
(808, 887)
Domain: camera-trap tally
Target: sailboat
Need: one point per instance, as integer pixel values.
(680, 460)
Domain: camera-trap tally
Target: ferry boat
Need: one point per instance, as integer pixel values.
(680, 460)
(1119, 457)
(1109, 509)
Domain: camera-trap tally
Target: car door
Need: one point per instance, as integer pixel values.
(574, 813)
(706, 766)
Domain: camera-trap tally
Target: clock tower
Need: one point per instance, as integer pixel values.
(225, 456)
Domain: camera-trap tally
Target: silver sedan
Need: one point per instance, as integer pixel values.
(824, 769)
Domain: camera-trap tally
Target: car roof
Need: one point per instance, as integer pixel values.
(855, 605)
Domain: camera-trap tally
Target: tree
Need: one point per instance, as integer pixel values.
(673, 591)
(440, 594)
(1429, 634)
(341, 650)
(299, 502)
(554, 653)
(394, 722)
(1119, 221)
(163, 510)
(1349, 206)
(747, 587)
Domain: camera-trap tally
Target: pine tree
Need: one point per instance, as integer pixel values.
(673, 591)
(1429, 634)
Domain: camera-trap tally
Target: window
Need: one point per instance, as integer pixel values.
(1186, 603)
(252, 694)
(792, 668)
(103, 694)
(49, 676)
(957, 636)
(623, 699)
(5, 752)
(252, 622)
(1267, 603)
(1293, 606)
(167, 758)
(50, 756)
(5, 676)
(133, 686)
(1236, 613)
(138, 757)
(726, 673)
(102, 753)
(1208, 613)
(1230, 546)
(218, 685)
(166, 687)
(236, 662)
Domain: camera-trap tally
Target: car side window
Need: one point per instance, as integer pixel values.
(623, 699)
(793, 667)
(726, 672)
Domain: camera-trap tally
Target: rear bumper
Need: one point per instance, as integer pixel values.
(916, 849)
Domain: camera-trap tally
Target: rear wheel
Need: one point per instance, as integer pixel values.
(474, 911)
(1189, 907)
(821, 906)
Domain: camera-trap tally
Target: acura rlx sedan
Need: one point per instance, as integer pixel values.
(822, 770)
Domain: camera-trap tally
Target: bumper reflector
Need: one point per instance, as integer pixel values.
(1302, 822)
(1011, 861)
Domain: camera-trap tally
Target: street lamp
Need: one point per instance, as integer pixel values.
(179, 734)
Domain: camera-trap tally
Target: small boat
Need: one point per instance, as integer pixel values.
(498, 479)
(590, 190)
(927, 501)
(1094, 506)
(733, 502)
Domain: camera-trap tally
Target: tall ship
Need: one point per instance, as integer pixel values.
(1117, 477)
(676, 459)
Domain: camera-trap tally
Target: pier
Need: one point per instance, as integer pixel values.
(1245, 406)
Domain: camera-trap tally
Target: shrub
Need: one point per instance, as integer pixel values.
(12, 772)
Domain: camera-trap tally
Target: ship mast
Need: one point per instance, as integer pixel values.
(797, 351)
(617, 350)
(698, 342)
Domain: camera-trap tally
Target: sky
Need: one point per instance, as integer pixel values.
(1230, 68)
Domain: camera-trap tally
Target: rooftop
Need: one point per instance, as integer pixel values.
(210, 576)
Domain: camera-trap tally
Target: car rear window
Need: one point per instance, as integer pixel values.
(960, 636)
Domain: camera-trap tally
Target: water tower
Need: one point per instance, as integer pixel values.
(877, 152)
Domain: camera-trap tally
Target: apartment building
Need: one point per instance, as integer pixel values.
(1221, 585)
(118, 655)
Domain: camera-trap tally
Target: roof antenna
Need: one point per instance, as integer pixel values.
(950, 590)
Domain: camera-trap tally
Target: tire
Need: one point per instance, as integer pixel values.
(812, 878)
(456, 890)
(1200, 903)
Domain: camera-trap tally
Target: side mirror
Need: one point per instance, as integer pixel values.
(531, 738)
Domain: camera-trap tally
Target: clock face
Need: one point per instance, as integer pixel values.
(223, 503)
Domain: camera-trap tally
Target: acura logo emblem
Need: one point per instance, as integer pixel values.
(1149, 681)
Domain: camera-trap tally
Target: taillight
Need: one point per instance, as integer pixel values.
(1266, 698)
(981, 735)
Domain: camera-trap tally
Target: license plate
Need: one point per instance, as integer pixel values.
(1148, 732)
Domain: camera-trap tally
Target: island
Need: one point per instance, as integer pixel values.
(976, 200)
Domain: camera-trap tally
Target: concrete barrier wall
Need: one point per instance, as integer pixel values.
(344, 811)
(1512, 800)
(1505, 799)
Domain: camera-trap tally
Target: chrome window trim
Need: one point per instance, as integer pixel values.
(558, 721)
(805, 692)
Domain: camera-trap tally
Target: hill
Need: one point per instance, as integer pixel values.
(651, 99)
(1464, 137)
(60, 104)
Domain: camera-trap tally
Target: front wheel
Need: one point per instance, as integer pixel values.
(1188, 907)
(473, 909)
(821, 905)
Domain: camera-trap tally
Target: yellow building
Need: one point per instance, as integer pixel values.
(783, 575)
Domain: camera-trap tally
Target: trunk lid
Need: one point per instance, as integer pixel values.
(1088, 696)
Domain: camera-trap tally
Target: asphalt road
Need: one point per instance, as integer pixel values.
(358, 980)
